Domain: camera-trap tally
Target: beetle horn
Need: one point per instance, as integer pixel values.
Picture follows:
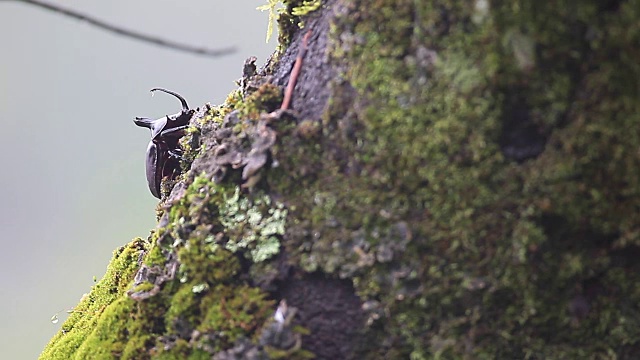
(185, 107)
(155, 126)
(143, 122)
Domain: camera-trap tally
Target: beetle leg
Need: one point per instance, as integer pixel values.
(175, 153)
(175, 132)
(154, 163)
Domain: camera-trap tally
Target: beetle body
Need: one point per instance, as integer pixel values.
(163, 152)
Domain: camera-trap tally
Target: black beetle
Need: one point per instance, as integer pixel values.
(164, 153)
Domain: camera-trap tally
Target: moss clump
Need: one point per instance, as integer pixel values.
(249, 225)
(289, 19)
(190, 143)
(99, 304)
(264, 99)
(201, 305)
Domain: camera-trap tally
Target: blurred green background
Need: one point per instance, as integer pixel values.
(72, 161)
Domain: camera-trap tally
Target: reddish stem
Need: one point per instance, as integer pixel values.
(288, 93)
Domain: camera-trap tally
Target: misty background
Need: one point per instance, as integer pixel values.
(72, 178)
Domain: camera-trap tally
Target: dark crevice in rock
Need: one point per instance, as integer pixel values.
(521, 138)
(330, 309)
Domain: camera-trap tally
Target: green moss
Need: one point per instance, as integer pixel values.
(205, 300)
(289, 19)
(111, 339)
(265, 99)
(233, 314)
(155, 256)
(295, 354)
(209, 298)
(306, 7)
(83, 323)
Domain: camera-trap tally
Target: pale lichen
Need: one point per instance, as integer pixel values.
(253, 224)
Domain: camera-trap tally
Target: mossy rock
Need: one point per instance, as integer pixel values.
(454, 180)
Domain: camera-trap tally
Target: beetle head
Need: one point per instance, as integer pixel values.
(181, 118)
(167, 122)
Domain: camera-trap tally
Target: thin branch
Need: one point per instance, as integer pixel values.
(293, 78)
(128, 33)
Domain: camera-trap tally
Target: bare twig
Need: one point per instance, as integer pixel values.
(295, 72)
(127, 33)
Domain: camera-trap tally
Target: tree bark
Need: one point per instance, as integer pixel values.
(454, 179)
